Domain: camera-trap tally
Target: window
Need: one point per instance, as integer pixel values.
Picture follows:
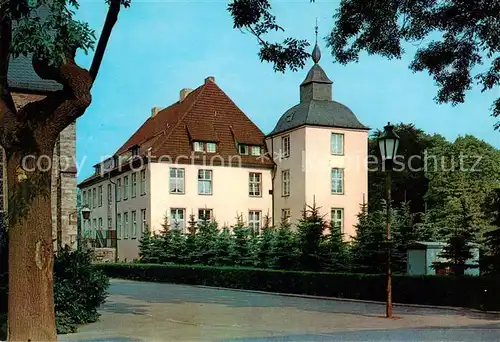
(338, 219)
(176, 180)
(198, 146)
(94, 198)
(285, 146)
(84, 197)
(204, 214)
(143, 182)
(94, 227)
(243, 149)
(100, 223)
(118, 190)
(125, 225)
(337, 143)
(134, 184)
(177, 218)
(110, 223)
(110, 195)
(125, 187)
(254, 220)
(211, 147)
(255, 151)
(255, 185)
(205, 182)
(99, 191)
(119, 231)
(337, 181)
(285, 215)
(285, 183)
(143, 220)
(134, 224)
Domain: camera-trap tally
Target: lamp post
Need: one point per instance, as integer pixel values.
(85, 212)
(388, 143)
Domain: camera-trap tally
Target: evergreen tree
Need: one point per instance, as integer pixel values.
(333, 251)
(190, 251)
(177, 246)
(145, 247)
(310, 235)
(241, 252)
(459, 243)
(205, 241)
(164, 241)
(284, 248)
(492, 257)
(222, 248)
(265, 245)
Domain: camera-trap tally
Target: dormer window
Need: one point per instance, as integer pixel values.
(243, 149)
(256, 151)
(210, 147)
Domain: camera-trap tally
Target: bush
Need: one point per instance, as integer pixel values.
(431, 290)
(79, 289)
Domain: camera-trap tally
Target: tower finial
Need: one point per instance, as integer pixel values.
(316, 54)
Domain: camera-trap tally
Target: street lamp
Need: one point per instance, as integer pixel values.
(388, 143)
(85, 212)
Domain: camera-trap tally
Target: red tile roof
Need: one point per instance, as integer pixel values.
(206, 114)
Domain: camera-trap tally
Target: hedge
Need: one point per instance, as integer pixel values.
(471, 292)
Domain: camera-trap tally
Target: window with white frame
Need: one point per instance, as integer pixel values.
(285, 183)
(89, 198)
(110, 223)
(243, 149)
(118, 190)
(211, 147)
(134, 184)
(285, 215)
(119, 230)
(198, 146)
(254, 220)
(255, 184)
(337, 143)
(177, 219)
(143, 220)
(100, 224)
(110, 194)
(94, 228)
(177, 180)
(337, 219)
(337, 181)
(125, 225)
(285, 146)
(205, 214)
(134, 224)
(99, 195)
(94, 198)
(143, 182)
(125, 187)
(256, 151)
(84, 197)
(205, 182)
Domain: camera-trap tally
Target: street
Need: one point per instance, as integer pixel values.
(141, 311)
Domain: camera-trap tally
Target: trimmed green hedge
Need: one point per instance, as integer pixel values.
(472, 292)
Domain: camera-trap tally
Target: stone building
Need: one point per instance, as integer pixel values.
(25, 87)
(203, 158)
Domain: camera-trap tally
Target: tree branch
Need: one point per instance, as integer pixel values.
(7, 107)
(111, 18)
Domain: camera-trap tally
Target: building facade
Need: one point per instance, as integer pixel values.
(203, 158)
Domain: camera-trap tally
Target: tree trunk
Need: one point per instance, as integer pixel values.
(31, 301)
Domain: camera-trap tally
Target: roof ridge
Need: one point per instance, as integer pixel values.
(181, 119)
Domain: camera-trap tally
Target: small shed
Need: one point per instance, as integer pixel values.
(422, 255)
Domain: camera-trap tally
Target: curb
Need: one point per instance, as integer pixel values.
(419, 306)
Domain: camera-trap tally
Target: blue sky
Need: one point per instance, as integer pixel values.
(159, 47)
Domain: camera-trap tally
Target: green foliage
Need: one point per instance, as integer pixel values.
(241, 253)
(334, 252)
(468, 37)
(79, 289)
(309, 237)
(264, 252)
(205, 241)
(492, 258)
(223, 247)
(284, 248)
(482, 292)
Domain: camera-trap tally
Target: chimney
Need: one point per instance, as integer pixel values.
(209, 79)
(184, 93)
(155, 110)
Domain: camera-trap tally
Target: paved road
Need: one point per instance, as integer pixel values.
(140, 311)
